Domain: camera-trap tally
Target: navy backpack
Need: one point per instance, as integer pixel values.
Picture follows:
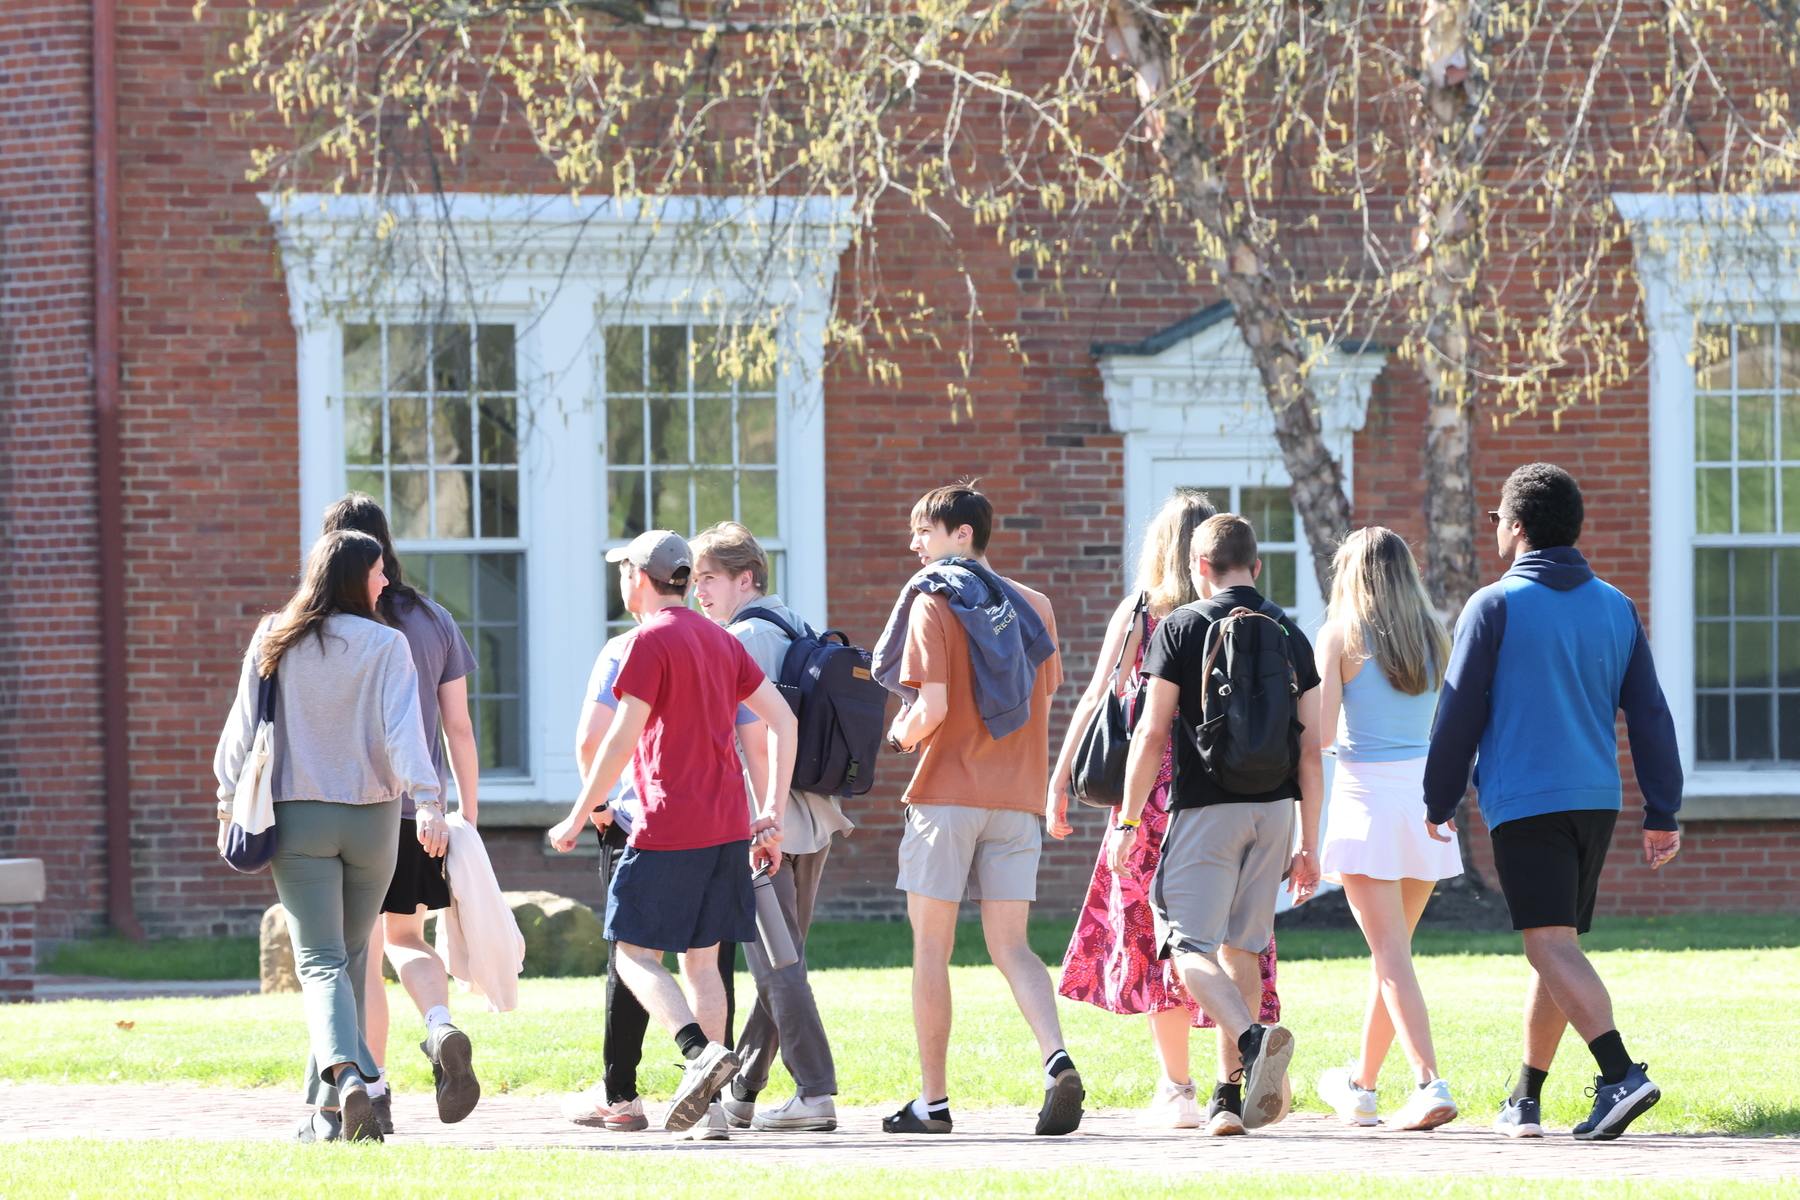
(841, 709)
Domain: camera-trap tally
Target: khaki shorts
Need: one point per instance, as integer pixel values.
(1220, 876)
(991, 852)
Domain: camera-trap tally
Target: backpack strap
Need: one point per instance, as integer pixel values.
(1137, 614)
(764, 615)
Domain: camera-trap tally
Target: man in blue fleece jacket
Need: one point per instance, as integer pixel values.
(1543, 661)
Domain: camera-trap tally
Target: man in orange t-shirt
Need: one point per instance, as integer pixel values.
(974, 811)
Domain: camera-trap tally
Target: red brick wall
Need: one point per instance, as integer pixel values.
(50, 749)
(211, 475)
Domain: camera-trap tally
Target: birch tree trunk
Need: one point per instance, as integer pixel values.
(1451, 241)
(1245, 277)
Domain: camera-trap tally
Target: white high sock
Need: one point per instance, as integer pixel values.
(378, 1089)
(435, 1016)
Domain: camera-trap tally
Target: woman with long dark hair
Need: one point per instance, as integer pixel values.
(348, 744)
(443, 660)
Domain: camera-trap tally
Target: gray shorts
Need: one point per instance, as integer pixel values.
(1220, 876)
(992, 852)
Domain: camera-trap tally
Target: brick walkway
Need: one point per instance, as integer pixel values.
(984, 1139)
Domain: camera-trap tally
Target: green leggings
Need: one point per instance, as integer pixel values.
(333, 864)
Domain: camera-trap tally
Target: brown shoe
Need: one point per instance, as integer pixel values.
(452, 1071)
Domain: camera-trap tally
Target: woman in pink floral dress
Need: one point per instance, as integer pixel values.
(1112, 961)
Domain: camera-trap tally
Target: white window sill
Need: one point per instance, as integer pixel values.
(1711, 794)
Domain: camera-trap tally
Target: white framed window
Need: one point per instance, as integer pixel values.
(1722, 307)
(1194, 413)
(490, 431)
(685, 446)
(431, 430)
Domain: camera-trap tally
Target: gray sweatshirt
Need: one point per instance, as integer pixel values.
(347, 724)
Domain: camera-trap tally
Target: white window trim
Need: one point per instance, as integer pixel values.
(1751, 251)
(555, 267)
(1201, 401)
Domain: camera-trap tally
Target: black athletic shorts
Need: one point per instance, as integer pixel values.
(1549, 866)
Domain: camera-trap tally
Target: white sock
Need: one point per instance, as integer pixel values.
(378, 1089)
(435, 1016)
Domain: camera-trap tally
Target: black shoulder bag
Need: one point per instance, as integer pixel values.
(1097, 776)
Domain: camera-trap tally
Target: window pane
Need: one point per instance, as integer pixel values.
(511, 735)
(499, 504)
(487, 729)
(625, 432)
(615, 603)
(712, 429)
(1712, 654)
(451, 433)
(409, 513)
(756, 429)
(707, 375)
(1712, 355)
(1712, 582)
(449, 584)
(756, 503)
(494, 343)
(369, 483)
(497, 587)
(362, 358)
(1756, 500)
(1714, 729)
(450, 361)
(1789, 667)
(669, 432)
(1712, 428)
(1271, 512)
(1787, 593)
(406, 429)
(1755, 737)
(1756, 428)
(499, 430)
(1712, 500)
(669, 501)
(362, 429)
(1753, 656)
(406, 358)
(1790, 418)
(1278, 578)
(669, 359)
(1790, 499)
(624, 358)
(712, 498)
(498, 654)
(455, 508)
(1790, 361)
(625, 505)
(777, 563)
(1755, 357)
(1790, 725)
(1753, 583)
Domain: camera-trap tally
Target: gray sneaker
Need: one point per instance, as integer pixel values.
(1265, 1066)
(384, 1112)
(801, 1114)
(700, 1082)
(453, 1071)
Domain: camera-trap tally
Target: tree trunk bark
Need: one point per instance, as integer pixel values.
(1452, 247)
(1247, 281)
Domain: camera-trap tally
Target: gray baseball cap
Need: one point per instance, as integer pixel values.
(659, 553)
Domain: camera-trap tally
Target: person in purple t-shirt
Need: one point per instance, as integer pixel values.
(444, 661)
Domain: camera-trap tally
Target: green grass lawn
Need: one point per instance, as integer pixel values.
(1686, 992)
(194, 1172)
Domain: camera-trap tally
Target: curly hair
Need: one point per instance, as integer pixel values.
(1546, 501)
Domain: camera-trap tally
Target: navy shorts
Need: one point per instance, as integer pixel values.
(679, 900)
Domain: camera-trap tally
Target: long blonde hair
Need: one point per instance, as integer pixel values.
(1163, 568)
(1379, 600)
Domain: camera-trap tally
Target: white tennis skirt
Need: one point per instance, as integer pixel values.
(1375, 825)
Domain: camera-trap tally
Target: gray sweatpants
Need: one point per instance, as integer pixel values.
(333, 864)
(786, 1017)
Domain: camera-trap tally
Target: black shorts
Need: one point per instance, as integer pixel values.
(1549, 866)
(418, 877)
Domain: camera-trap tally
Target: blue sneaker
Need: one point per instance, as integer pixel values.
(1519, 1119)
(1617, 1105)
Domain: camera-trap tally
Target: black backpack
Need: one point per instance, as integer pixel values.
(1249, 732)
(842, 710)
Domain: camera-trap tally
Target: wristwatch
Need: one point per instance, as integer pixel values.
(1126, 823)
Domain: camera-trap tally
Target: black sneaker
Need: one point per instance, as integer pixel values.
(907, 1121)
(1224, 1117)
(1266, 1050)
(1519, 1119)
(452, 1072)
(1062, 1105)
(1617, 1105)
(384, 1112)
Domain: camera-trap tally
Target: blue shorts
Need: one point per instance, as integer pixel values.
(679, 900)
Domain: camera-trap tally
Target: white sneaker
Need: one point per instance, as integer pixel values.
(700, 1082)
(1427, 1107)
(1175, 1106)
(710, 1128)
(1353, 1105)
(801, 1114)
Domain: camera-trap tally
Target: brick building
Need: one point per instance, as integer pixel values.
(516, 438)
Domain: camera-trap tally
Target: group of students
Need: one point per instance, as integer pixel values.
(1178, 921)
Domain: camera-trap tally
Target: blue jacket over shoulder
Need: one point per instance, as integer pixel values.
(1544, 659)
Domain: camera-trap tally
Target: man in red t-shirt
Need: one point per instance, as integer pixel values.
(683, 885)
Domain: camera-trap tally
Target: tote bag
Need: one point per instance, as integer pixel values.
(1097, 777)
(248, 843)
